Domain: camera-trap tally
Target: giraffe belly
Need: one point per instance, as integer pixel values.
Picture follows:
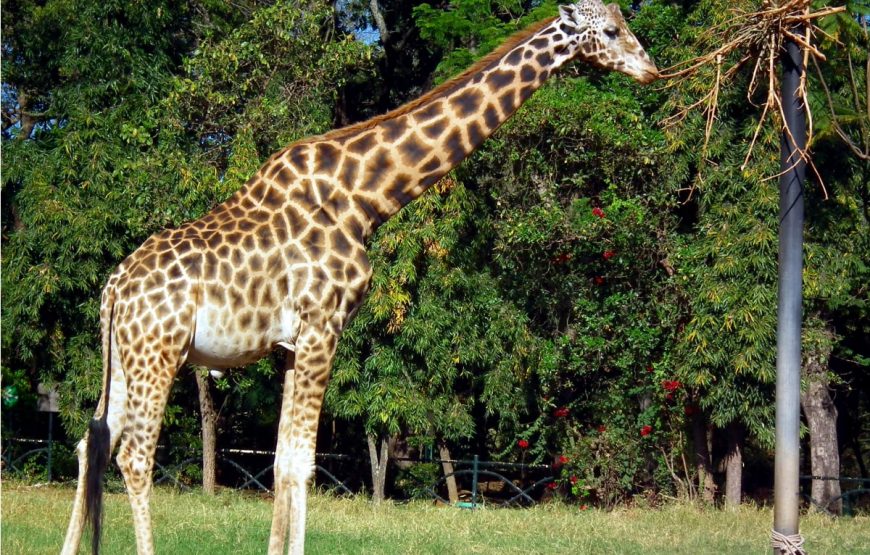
(217, 350)
(220, 342)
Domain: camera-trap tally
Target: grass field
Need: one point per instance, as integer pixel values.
(34, 521)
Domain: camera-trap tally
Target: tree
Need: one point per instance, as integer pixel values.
(433, 335)
(586, 282)
(725, 351)
(837, 242)
(208, 417)
(403, 59)
(132, 138)
(593, 325)
(87, 181)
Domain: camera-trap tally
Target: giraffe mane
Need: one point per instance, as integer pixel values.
(480, 65)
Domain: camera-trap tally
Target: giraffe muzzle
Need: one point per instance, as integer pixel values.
(647, 76)
(642, 69)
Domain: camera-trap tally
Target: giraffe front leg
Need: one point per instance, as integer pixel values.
(282, 469)
(304, 384)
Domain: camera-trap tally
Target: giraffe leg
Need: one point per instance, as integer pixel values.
(77, 520)
(283, 483)
(115, 419)
(304, 385)
(136, 452)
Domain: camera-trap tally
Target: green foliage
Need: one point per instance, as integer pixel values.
(730, 274)
(416, 480)
(86, 183)
(133, 139)
(271, 70)
(581, 282)
(471, 28)
(727, 262)
(434, 334)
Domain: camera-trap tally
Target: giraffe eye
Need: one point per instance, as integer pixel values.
(612, 32)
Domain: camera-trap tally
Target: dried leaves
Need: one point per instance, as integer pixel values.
(757, 38)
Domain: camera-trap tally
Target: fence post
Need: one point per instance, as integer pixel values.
(47, 402)
(50, 426)
(474, 468)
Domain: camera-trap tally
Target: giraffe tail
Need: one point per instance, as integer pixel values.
(99, 435)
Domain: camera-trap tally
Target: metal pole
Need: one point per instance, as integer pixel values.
(788, 329)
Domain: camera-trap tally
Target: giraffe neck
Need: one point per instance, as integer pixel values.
(359, 176)
(403, 153)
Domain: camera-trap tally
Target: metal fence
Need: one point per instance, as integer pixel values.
(480, 482)
(20, 455)
(850, 497)
(249, 469)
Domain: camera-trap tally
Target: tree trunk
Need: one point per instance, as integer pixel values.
(400, 451)
(703, 462)
(379, 467)
(209, 431)
(821, 415)
(859, 455)
(28, 122)
(452, 490)
(734, 465)
(380, 22)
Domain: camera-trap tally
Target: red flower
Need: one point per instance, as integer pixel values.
(523, 444)
(646, 430)
(584, 507)
(671, 385)
(562, 258)
(602, 428)
(598, 212)
(649, 369)
(560, 461)
(561, 412)
(552, 485)
(669, 397)
(574, 479)
(608, 255)
(598, 280)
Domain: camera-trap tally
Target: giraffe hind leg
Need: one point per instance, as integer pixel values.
(98, 443)
(146, 404)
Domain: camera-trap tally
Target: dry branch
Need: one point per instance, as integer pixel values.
(748, 35)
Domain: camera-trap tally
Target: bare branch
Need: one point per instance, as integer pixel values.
(864, 155)
(756, 35)
(380, 22)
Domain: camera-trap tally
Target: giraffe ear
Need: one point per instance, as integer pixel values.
(568, 12)
(616, 11)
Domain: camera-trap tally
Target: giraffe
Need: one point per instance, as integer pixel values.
(282, 263)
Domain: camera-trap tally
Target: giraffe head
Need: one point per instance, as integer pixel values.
(599, 35)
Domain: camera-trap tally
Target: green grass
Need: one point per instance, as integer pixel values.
(34, 521)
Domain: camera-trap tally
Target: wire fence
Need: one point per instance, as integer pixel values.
(479, 482)
(849, 498)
